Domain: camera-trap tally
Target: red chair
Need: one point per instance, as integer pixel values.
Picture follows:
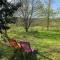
(26, 47)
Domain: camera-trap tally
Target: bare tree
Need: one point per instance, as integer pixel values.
(48, 15)
(27, 12)
(48, 11)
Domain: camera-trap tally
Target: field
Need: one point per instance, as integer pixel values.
(47, 42)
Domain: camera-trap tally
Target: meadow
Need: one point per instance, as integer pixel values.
(47, 42)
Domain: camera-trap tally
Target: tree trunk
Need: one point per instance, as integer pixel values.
(48, 24)
(26, 29)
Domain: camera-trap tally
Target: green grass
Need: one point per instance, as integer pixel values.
(47, 42)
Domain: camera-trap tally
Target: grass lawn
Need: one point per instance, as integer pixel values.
(47, 42)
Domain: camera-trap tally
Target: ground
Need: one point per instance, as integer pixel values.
(47, 42)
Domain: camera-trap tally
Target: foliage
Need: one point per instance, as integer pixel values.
(1, 53)
(7, 9)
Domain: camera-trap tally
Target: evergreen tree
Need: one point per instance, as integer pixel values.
(6, 9)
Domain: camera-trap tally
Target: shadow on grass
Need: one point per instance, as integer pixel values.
(57, 30)
(43, 35)
(55, 49)
(19, 56)
(43, 55)
(49, 52)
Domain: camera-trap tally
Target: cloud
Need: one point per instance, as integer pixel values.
(8, 0)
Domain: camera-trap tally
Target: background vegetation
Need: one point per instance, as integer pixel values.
(34, 25)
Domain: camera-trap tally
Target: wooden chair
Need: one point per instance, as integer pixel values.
(14, 44)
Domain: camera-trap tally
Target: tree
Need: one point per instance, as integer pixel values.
(27, 12)
(47, 11)
(48, 15)
(6, 9)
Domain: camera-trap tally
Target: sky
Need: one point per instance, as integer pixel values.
(56, 4)
(8, 0)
